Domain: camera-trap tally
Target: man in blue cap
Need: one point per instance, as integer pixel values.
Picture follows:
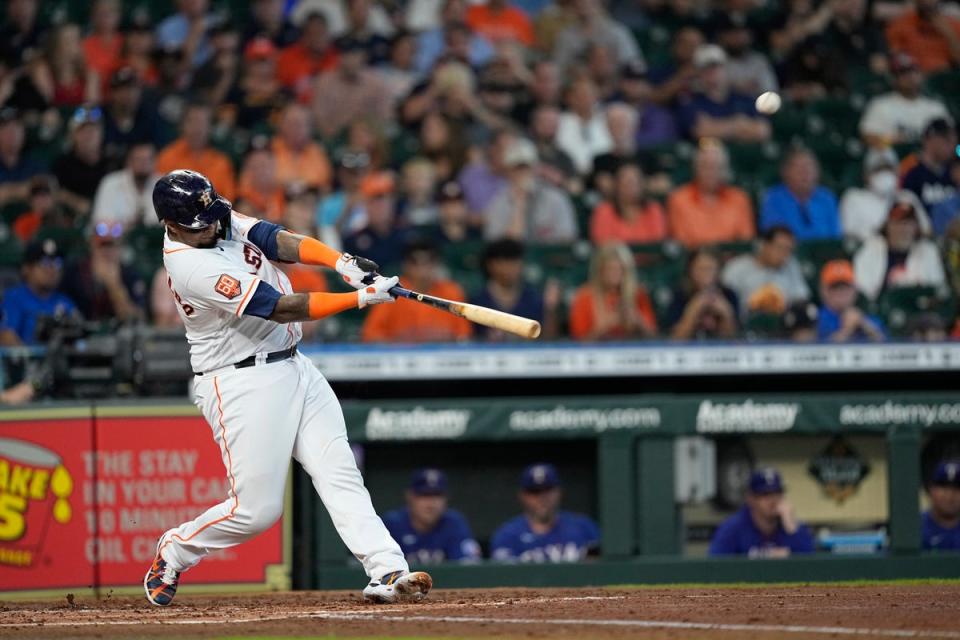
(765, 526)
(543, 533)
(429, 532)
(940, 525)
(39, 296)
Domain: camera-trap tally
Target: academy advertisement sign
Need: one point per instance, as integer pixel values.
(72, 516)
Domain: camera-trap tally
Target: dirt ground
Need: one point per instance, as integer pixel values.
(758, 613)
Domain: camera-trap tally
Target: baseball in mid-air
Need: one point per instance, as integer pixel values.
(768, 102)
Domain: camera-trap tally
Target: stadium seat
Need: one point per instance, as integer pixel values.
(10, 249)
(946, 85)
(897, 306)
(145, 243)
(568, 263)
(813, 254)
(763, 326)
(72, 242)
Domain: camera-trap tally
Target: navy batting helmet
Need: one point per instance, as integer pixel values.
(189, 199)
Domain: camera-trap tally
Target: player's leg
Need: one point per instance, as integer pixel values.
(323, 450)
(253, 414)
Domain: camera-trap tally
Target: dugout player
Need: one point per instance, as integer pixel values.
(264, 401)
(765, 526)
(543, 533)
(940, 524)
(427, 530)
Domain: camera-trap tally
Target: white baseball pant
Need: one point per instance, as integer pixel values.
(260, 417)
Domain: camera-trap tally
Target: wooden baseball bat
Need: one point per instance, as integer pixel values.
(523, 327)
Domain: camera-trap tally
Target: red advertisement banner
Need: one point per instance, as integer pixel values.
(70, 517)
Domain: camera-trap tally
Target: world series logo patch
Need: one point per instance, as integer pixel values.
(228, 287)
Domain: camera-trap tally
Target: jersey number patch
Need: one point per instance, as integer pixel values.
(228, 287)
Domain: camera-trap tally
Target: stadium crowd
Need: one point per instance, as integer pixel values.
(599, 166)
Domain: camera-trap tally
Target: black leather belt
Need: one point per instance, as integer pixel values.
(275, 356)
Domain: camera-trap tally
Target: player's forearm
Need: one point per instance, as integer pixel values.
(292, 247)
(299, 307)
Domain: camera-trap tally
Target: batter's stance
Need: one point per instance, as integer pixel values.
(263, 400)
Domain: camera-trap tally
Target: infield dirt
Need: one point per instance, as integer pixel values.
(758, 613)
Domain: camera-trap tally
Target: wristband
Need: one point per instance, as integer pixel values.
(321, 305)
(315, 252)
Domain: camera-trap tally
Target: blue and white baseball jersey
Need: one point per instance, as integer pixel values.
(450, 541)
(572, 537)
(738, 535)
(936, 537)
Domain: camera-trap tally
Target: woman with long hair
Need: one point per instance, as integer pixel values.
(629, 216)
(613, 304)
(61, 74)
(702, 307)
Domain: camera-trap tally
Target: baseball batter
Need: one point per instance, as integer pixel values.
(264, 401)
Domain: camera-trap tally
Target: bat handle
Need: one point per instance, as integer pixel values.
(400, 292)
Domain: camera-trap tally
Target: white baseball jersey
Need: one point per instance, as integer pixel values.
(213, 287)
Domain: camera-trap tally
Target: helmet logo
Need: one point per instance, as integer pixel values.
(206, 198)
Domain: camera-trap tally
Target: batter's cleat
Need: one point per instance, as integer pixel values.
(398, 586)
(160, 583)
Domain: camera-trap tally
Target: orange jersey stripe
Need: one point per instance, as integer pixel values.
(233, 481)
(253, 285)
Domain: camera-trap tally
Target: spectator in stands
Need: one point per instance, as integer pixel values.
(37, 297)
(187, 29)
(433, 43)
(898, 256)
(340, 213)
(927, 326)
(81, 168)
(497, 21)
(128, 119)
(800, 322)
(213, 81)
(716, 110)
(702, 308)
(769, 279)
(60, 73)
(299, 159)
(621, 121)
(945, 217)
(354, 17)
(194, 151)
(441, 143)
(17, 89)
(765, 526)
(839, 319)
(551, 22)
(932, 178)
(582, 132)
(399, 71)
(408, 321)
(940, 524)
(592, 26)
(368, 135)
(126, 196)
(900, 117)
(258, 96)
(798, 22)
(613, 304)
(628, 216)
(506, 291)
(529, 209)
(164, 310)
(138, 49)
(44, 211)
(361, 27)
(674, 82)
(312, 54)
(543, 533)
(555, 166)
(380, 239)
(655, 125)
(260, 194)
(417, 205)
(103, 47)
(928, 34)
(349, 91)
(800, 201)
(863, 210)
(427, 530)
(268, 19)
(709, 209)
(21, 33)
(20, 393)
(103, 287)
(16, 168)
(854, 37)
(453, 220)
(749, 71)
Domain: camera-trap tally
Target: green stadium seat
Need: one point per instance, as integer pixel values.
(763, 326)
(569, 264)
(10, 249)
(71, 242)
(897, 306)
(813, 254)
(146, 243)
(946, 85)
